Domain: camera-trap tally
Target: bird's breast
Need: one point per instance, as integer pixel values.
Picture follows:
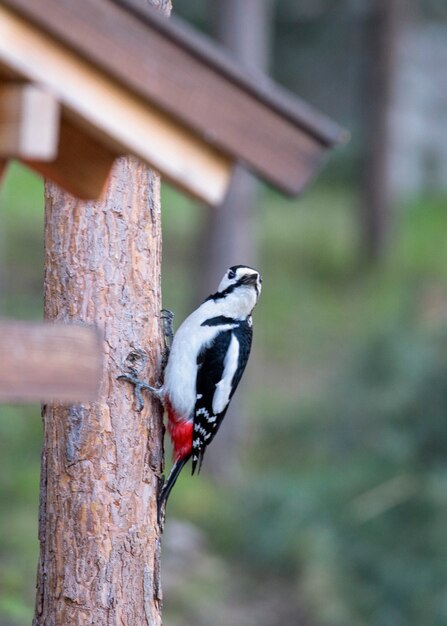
(181, 370)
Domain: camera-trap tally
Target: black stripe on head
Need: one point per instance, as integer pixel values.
(246, 279)
(223, 294)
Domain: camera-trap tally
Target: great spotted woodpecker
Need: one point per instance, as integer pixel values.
(207, 358)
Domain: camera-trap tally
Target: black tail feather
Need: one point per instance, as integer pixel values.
(170, 482)
(197, 461)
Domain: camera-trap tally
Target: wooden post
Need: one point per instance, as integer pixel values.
(101, 462)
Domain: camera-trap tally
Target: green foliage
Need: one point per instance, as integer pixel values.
(21, 244)
(342, 496)
(348, 494)
(20, 440)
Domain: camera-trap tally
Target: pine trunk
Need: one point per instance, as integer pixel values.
(101, 462)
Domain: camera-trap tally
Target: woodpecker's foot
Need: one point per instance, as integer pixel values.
(140, 386)
(167, 317)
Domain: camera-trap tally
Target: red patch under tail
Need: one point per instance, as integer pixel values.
(180, 432)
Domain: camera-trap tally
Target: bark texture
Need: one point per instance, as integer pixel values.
(101, 462)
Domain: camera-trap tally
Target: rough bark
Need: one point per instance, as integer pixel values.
(230, 232)
(99, 561)
(101, 462)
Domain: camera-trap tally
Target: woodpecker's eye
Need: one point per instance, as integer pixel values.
(231, 274)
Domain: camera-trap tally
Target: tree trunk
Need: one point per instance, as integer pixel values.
(230, 231)
(381, 37)
(101, 462)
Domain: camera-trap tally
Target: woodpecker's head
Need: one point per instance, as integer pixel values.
(239, 290)
(240, 276)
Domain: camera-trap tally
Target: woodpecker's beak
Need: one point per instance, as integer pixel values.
(250, 279)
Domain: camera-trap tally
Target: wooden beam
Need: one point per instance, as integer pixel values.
(44, 362)
(118, 118)
(29, 122)
(82, 165)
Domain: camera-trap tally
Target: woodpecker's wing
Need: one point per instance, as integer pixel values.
(220, 368)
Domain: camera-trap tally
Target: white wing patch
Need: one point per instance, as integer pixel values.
(221, 396)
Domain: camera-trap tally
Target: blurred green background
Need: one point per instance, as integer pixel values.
(335, 511)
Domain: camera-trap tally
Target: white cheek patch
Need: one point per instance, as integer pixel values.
(222, 394)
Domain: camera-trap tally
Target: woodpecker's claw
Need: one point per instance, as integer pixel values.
(168, 331)
(167, 316)
(140, 385)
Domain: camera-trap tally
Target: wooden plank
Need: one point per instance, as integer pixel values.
(44, 362)
(121, 120)
(82, 165)
(29, 122)
(280, 139)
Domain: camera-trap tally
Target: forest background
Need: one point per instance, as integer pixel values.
(325, 502)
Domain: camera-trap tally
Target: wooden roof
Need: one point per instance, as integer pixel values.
(221, 111)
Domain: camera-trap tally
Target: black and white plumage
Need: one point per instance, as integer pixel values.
(208, 356)
(220, 368)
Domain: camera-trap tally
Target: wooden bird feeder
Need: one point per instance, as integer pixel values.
(84, 82)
